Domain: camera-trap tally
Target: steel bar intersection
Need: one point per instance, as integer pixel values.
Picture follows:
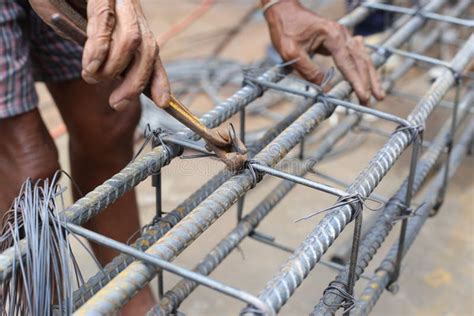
(171, 233)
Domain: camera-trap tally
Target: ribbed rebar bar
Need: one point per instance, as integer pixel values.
(108, 192)
(298, 266)
(158, 229)
(377, 233)
(382, 276)
(138, 274)
(180, 291)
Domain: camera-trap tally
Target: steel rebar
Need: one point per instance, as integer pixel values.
(298, 266)
(209, 210)
(181, 290)
(377, 233)
(156, 230)
(382, 276)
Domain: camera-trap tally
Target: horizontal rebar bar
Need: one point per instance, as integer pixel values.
(377, 233)
(420, 12)
(108, 192)
(382, 276)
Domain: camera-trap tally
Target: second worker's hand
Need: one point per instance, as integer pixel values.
(121, 45)
(296, 32)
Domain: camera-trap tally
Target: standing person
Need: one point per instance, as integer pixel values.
(101, 111)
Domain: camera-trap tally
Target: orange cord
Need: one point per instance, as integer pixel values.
(181, 25)
(58, 131)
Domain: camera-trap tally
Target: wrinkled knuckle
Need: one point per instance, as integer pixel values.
(337, 36)
(106, 16)
(364, 97)
(134, 89)
(290, 53)
(134, 38)
(151, 51)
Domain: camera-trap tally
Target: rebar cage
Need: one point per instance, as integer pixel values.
(171, 232)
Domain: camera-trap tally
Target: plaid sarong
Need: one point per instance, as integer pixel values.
(30, 51)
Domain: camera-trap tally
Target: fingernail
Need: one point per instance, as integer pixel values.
(93, 66)
(87, 78)
(120, 105)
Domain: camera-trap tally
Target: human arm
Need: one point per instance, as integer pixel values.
(297, 32)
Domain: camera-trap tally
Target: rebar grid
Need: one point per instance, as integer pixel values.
(166, 238)
(156, 230)
(232, 195)
(180, 291)
(297, 267)
(97, 200)
(210, 209)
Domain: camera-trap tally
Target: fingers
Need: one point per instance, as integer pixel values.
(160, 87)
(345, 62)
(362, 68)
(374, 83)
(137, 77)
(121, 46)
(126, 40)
(101, 23)
(357, 67)
(303, 63)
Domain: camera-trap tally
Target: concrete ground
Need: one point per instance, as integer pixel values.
(438, 276)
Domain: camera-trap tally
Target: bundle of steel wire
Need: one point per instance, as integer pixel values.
(43, 282)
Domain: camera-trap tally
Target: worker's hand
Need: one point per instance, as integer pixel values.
(296, 31)
(120, 43)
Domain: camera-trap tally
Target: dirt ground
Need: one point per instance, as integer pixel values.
(438, 275)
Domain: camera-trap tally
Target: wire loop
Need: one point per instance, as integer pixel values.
(339, 289)
(357, 203)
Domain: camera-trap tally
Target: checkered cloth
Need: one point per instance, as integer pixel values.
(30, 50)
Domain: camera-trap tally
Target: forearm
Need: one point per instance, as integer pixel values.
(275, 10)
(269, 6)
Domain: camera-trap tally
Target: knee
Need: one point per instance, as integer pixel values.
(26, 151)
(33, 155)
(121, 126)
(112, 137)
